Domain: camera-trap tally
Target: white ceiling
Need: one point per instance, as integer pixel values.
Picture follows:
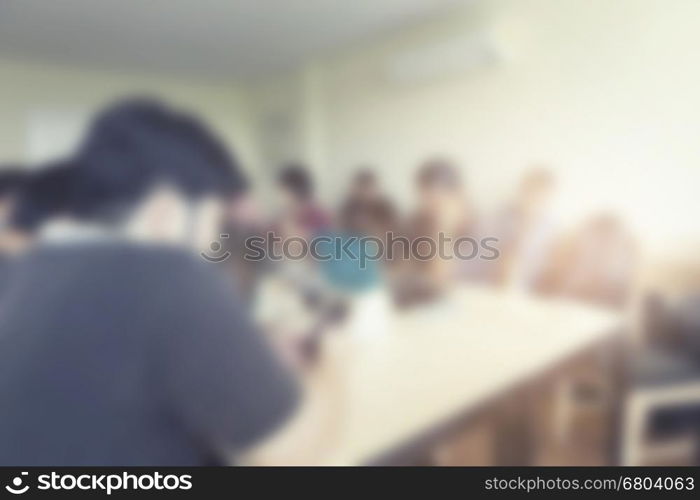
(234, 38)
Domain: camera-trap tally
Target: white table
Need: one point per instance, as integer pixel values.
(435, 363)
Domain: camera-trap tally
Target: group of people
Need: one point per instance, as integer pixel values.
(121, 345)
(595, 262)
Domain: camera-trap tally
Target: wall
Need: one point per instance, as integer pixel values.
(31, 92)
(603, 92)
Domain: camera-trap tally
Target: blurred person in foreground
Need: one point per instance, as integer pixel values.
(42, 197)
(526, 233)
(118, 345)
(12, 181)
(443, 209)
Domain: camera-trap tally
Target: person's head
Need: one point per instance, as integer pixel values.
(295, 186)
(439, 184)
(536, 190)
(155, 173)
(604, 228)
(12, 179)
(364, 185)
(45, 196)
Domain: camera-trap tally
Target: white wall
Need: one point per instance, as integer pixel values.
(606, 92)
(36, 99)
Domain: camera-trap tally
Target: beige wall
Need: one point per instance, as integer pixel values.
(606, 92)
(30, 89)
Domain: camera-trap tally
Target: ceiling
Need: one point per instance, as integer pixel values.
(226, 38)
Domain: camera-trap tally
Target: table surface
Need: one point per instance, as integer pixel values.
(418, 369)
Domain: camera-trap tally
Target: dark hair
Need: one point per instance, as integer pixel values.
(138, 143)
(364, 177)
(45, 194)
(297, 180)
(441, 173)
(12, 178)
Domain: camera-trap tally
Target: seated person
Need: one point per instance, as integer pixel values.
(366, 211)
(443, 208)
(526, 234)
(299, 215)
(12, 180)
(365, 217)
(596, 264)
(120, 345)
(41, 198)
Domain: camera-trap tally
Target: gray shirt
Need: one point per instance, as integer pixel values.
(130, 355)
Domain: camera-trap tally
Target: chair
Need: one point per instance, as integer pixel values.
(664, 385)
